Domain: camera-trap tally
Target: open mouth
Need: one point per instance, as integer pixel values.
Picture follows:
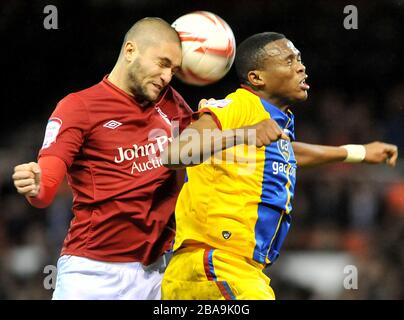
(303, 85)
(157, 86)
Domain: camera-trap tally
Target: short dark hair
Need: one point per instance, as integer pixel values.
(250, 54)
(151, 29)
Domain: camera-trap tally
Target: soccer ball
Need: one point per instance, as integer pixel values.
(208, 47)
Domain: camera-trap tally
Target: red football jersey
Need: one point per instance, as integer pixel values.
(123, 197)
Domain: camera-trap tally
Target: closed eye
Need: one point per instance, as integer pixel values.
(290, 58)
(166, 63)
(175, 70)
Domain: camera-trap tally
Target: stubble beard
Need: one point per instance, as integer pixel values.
(135, 84)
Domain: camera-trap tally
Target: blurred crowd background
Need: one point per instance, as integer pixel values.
(344, 215)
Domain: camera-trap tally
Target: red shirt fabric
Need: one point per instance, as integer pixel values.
(53, 171)
(123, 197)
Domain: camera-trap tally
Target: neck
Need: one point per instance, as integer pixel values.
(119, 78)
(277, 102)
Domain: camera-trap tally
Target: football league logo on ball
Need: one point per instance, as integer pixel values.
(208, 47)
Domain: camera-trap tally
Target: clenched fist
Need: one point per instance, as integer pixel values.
(264, 133)
(261, 134)
(379, 152)
(27, 178)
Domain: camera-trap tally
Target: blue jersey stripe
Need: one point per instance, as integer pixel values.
(277, 190)
(275, 248)
(222, 285)
(210, 262)
(265, 231)
(227, 287)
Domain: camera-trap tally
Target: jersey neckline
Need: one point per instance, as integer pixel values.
(127, 96)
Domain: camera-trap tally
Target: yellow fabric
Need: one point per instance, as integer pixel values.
(186, 277)
(224, 196)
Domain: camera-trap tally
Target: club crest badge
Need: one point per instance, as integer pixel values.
(226, 234)
(284, 149)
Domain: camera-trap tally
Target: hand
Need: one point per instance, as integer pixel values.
(380, 152)
(203, 102)
(264, 132)
(27, 178)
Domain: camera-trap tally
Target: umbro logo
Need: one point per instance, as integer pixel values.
(112, 124)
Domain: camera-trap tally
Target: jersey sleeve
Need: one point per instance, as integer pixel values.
(228, 113)
(53, 171)
(66, 130)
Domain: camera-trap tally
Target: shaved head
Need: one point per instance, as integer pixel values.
(149, 31)
(150, 56)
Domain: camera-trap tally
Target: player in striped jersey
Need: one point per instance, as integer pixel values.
(232, 216)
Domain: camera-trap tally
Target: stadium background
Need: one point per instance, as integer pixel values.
(344, 214)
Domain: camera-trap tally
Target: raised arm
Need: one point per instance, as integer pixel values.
(38, 182)
(309, 155)
(203, 138)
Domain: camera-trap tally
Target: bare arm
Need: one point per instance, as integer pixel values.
(203, 138)
(308, 155)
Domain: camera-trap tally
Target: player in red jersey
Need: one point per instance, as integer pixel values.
(108, 139)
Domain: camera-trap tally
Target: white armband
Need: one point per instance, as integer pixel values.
(356, 152)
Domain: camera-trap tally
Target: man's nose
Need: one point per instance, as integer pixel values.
(301, 67)
(166, 76)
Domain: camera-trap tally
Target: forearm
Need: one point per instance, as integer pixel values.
(308, 155)
(374, 153)
(53, 171)
(193, 147)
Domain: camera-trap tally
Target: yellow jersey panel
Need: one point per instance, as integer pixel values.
(240, 200)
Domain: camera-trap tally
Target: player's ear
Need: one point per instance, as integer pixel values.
(130, 50)
(255, 78)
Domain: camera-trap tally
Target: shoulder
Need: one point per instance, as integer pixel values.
(84, 97)
(240, 97)
(71, 108)
(231, 102)
(246, 97)
(83, 94)
(72, 100)
(179, 100)
(97, 91)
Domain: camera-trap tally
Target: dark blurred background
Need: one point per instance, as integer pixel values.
(344, 214)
